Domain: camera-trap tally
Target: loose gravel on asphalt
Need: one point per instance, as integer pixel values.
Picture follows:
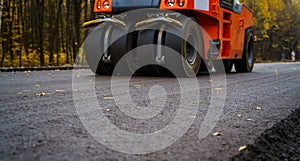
(260, 119)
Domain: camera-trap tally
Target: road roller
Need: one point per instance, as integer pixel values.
(167, 36)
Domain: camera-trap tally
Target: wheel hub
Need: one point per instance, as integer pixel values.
(190, 50)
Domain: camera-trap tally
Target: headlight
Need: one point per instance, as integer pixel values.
(106, 5)
(99, 4)
(181, 3)
(171, 3)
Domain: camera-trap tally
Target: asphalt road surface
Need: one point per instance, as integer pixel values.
(260, 118)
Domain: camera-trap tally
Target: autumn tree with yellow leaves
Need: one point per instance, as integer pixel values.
(277, 27)
(42, 32)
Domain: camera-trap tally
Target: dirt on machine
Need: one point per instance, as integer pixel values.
(179, 37)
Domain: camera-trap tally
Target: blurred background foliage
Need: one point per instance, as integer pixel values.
(277, 28)
(49, 32)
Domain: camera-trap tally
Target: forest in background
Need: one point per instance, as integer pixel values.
(50, 33)
(42, 32)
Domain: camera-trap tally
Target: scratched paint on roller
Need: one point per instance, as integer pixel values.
(201, 5)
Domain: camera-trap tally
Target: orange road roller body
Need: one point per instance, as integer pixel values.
(225, 25)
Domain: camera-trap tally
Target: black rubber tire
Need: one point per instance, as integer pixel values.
(118, 47)
(225, 67)
(189, 51)
(192, 30)
(147, 37)
(104, 68)
(95, 57)
(246, 64)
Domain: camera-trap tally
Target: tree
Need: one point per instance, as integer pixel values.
(276, 26)
(1, 6)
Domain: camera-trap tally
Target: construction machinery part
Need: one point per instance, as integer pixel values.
(204, 33)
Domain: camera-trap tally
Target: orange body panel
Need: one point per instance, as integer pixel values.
(220, 23)
(102, 9)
